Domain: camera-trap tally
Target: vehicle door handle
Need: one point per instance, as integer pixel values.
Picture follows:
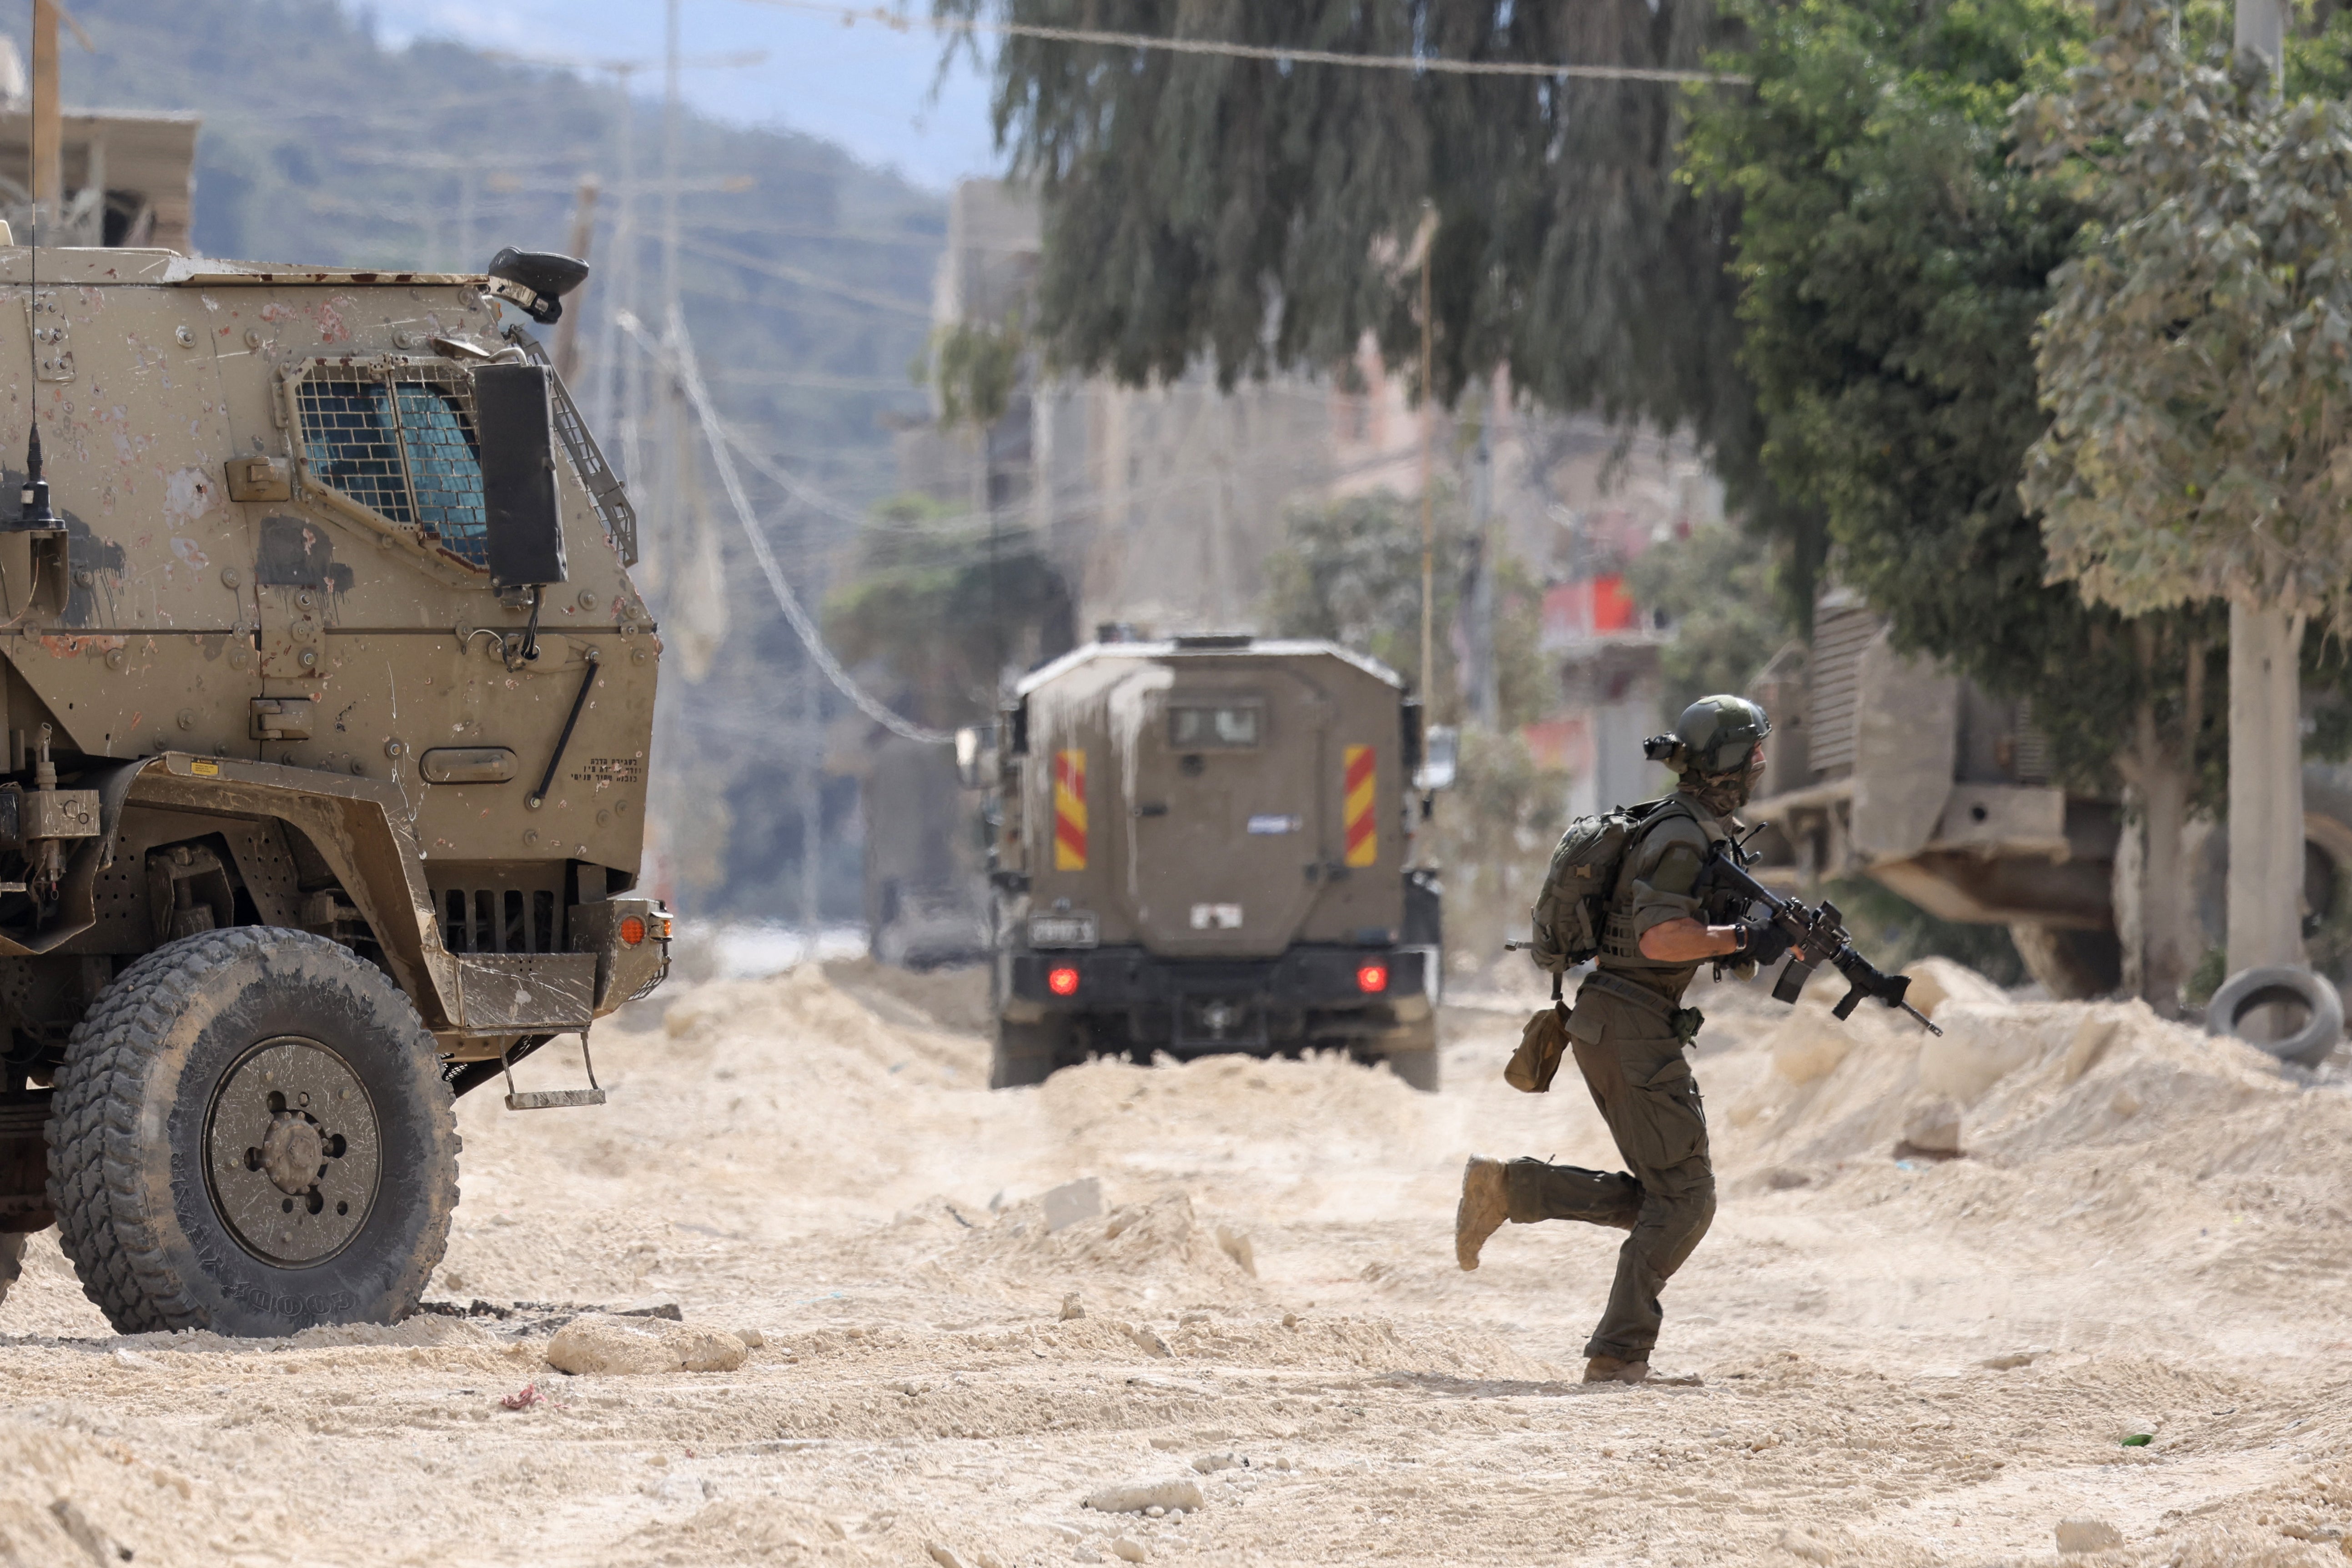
(1152, 808)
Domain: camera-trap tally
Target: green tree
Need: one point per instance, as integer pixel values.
(1257, 215)
(942, 602)
(2194, 358)
(1893, 259)
(1714, 590)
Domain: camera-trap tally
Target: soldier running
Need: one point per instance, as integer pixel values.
(1629, 1030)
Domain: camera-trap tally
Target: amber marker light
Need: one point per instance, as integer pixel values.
(633, 931)
(1062, 982)
(1371, 977)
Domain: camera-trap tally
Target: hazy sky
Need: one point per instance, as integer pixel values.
(866, 86)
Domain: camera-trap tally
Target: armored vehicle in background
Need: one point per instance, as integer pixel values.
(327, 702)
(1205, 845)
(1886, 766)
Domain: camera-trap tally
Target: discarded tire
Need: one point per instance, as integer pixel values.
(2272, 983)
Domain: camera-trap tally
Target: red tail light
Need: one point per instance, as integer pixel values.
(1371, 978)
(1062, 982)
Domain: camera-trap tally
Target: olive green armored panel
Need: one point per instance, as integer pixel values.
(1214, 798)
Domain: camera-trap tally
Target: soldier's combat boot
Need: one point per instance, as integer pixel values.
(1609, 1369)
(1486, 1204)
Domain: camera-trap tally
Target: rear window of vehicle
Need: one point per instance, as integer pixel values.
(1201, 726)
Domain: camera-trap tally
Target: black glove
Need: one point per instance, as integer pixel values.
(1763, 942)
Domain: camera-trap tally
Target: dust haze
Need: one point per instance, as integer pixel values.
(1906, 1361)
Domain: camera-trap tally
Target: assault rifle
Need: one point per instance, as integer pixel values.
(1816, 936)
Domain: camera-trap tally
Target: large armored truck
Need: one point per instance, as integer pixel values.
(1207, 844)
(327, 701)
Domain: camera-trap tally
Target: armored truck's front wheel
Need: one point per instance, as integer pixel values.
(12, 1259)
(252, 1135)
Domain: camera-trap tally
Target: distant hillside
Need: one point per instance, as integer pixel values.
(320, 144)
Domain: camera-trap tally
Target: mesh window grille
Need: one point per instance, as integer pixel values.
(399, 439)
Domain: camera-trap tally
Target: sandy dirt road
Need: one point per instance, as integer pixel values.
(1904, 1362)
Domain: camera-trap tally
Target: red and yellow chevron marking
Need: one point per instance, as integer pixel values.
(1362, 822)
(1069, 811)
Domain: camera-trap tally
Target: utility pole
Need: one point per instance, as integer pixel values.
(48, 120)
(610, 392)
(583, 235)
(2265, 881)
(1486, 672)
(1428, 490)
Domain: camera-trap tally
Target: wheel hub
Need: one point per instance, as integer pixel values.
(293, 1152)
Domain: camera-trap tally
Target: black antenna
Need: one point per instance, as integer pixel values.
(33, 509)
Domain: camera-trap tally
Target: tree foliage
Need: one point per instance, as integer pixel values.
(1892, 261)
(944, 610)
(1350, 573)
(2197, 354)
(1257, 215)
(1714, 590)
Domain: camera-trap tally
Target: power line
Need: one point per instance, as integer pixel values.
(676, 352)
(1435, 64)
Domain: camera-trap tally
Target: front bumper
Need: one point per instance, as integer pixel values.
(630, 937)
(1309, 995)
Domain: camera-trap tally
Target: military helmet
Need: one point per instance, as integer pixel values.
(1715, 735)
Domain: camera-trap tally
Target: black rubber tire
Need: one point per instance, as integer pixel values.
(1418, 1068)
(136, 1213)
(2252, 988)
(1026, 1054)
(12, 1259)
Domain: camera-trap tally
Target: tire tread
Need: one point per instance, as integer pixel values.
(94, 1179)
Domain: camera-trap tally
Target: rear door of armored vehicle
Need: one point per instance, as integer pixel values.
(1223, 767)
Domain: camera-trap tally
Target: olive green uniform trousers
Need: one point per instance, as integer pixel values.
(1635, 1066)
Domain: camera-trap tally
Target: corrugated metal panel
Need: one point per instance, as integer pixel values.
(2033, 747)
(1840, 637)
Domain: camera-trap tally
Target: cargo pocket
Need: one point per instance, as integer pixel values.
(1673, 1116)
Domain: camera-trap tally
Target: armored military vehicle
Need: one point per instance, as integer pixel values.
(1205, 845)
(327, 700)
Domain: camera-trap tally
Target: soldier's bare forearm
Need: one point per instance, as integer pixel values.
(1688, 941)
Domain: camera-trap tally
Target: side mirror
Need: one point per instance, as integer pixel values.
(1440, 750)
(973, 745)
(514, 419)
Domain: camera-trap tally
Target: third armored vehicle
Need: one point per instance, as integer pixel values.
(1203, 845)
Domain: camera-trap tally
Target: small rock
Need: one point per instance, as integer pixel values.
(1155, 1512)
(1210, 1463)
(1071, 1201)
(1168, 1443)
(1192, 1320)
(1084, 1553)
(707, 1350)
(752, 1338)
(1065, 1532)
(653, 1307)
(1072, 1308)
(1134, 1497)
(1126, 1549)
(595, 1344)
(944, 1554)
(1147, 1339)
(2009, 1362)
(2087, 1535)
(612, 1346)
